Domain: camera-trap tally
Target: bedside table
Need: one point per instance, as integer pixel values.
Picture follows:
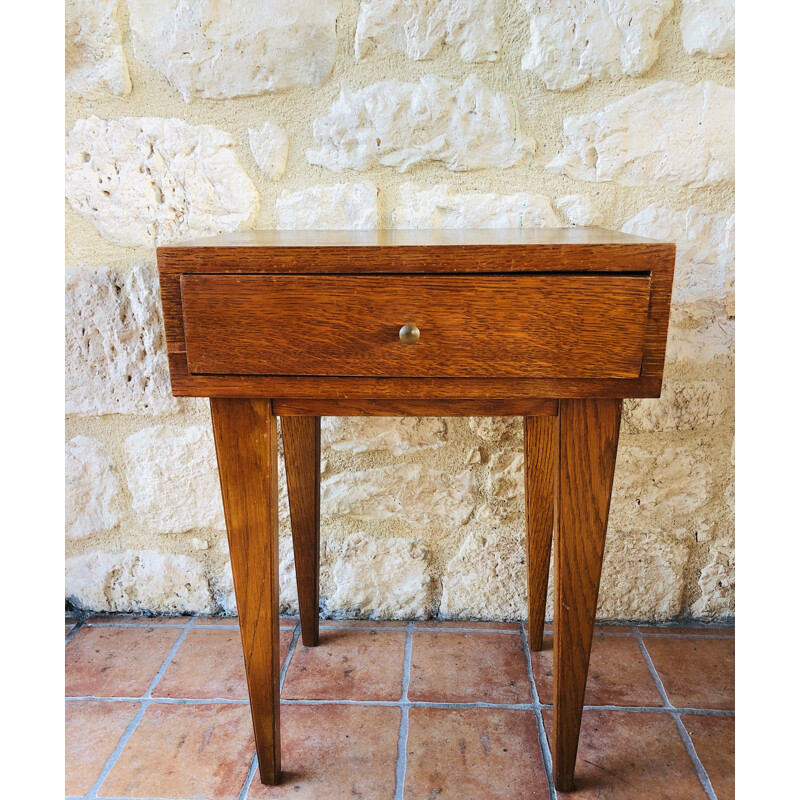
(555, 325)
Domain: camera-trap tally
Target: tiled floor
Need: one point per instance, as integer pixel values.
(157, 708)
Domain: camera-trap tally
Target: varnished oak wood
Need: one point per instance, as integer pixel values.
(568, 322)
(411, 241)
(588, 431)
(499, 252)
(473, 326)
(301, 449)
(491, 390)
(416, 408)
(540, 442)
(246, 438)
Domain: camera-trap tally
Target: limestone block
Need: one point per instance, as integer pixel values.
(143, 181)
(579, 210)
(643, 575)
(411, 492)
(94, 60)
(668, 133)
(495, 429)
(487, 578)
(708, 27)
(399, 435)
(437, 207)
(225, 48)
(717, 582)
(91, 486)
(222, 589)
(270, 147)
(506, 475)
(225, 597)
(173, 480)
(343, 206)
(705, 248)
(420, 28)
(116, 360)
(382, 579)
(659, 483)
(683, 406)
(700, 332)
(573, 41)
(138, 580)
(401, 124)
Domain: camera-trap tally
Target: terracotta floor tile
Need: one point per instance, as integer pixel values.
(696, 673)
(468, 668)
(713, 739)
(185, 751)
(93, 730)
(335, 752)
(473, 754)
(467, 624)
(694, 630)
(362, 623)
(348, 665)
(136, 619)
(618, 673)
(116, 662)
(213, 622)
(631, 756)
(209, 664)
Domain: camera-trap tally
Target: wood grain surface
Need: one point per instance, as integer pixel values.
(416, 408)
(246, 438)
(409, 240)
(493, 390)
(551, 324)
(540, 442)
(301, 450)
(500, 253)
(588, 431)
(513, 326)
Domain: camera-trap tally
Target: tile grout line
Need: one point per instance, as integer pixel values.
(537, 711)
(75, 628)
(187, 701)
(606, 630)
(134, 723)
(289, 654)
(702, 775)
(402, 735)
(251, 773)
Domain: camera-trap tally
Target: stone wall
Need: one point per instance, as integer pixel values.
(190, 119)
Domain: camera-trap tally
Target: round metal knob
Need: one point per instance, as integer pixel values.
(409, 333)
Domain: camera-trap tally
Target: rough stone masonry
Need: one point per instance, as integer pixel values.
(192, 119)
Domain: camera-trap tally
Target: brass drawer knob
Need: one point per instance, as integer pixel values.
(409, 333)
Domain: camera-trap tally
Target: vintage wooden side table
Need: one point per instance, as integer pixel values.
(554, 325)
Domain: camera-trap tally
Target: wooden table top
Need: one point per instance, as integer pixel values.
(496, 237)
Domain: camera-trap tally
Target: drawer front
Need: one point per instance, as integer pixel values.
(524, 326)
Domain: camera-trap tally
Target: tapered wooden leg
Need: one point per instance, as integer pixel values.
(246, 436)
(301, 453)
(586, 454)
(540, 435)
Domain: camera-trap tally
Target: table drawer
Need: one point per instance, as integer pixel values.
(513, 326)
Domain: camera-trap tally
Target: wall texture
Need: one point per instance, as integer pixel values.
(189, 119)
